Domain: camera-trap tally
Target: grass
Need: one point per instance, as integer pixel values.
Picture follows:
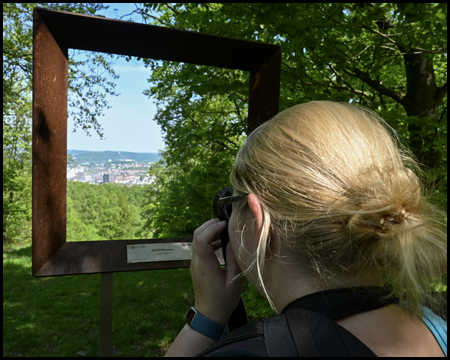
(60, 316)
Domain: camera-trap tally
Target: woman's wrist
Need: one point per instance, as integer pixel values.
(216, 316)
(205, 325)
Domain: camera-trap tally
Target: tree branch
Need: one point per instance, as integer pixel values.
(325, 76)
(231, 141)
(402, 46)
(192, 119)
(293, 73)
(131, 13)
(238, 112)
(171, 8)
(225, 145)
(143, 14)
(377, 85)
(442, 115)
(221, 143)
(22, 56)
(367, 46)
(411, 48)
(348, 86)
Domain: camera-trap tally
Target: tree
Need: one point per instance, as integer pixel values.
(17, 173)
(181, 197)
(103, 212)
(388, 57)
(197, 162)
(77, 229)
(84, 77)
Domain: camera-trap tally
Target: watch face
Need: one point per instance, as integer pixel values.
(190, 315)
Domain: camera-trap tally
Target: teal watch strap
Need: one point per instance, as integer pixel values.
(205, 326)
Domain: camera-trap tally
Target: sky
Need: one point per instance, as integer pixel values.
(128, 125)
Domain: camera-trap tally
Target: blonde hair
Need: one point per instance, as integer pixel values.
(342, 192)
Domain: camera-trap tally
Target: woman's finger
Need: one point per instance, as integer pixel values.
(204, 226)
(216, 244)
(210, 234)
(206, 241)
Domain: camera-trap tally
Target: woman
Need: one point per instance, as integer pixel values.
(328, 200)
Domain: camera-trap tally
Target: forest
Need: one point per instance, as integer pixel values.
(391, 58)
(104, 212)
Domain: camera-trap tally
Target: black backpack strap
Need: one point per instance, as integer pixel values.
(277, 339)
(296, 332)
(245, 341)
(317, 335)
(301, 333)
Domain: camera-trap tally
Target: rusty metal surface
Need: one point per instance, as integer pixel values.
(93, 33)
(264, 92)
(54, 32)
(91, 257)
(49, 145)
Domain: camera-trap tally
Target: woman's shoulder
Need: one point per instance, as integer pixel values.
(393, 331)
(387, 331)
(437, 326)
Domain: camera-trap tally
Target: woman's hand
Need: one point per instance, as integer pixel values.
(216, 296)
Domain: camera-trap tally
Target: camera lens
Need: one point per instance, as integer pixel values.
(223, 213)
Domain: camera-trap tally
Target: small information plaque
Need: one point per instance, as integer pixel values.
(159, 252)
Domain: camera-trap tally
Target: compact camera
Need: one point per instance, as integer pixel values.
(222, 206)
(223, 213)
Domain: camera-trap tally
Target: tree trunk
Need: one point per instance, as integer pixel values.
(422, 99)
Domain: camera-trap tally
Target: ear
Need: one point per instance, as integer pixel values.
(256, 208)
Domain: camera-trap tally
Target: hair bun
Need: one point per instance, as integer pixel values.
(398, 219)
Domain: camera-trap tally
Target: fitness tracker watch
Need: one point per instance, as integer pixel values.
(205, 326)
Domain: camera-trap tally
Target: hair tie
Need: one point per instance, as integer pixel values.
(394, 220)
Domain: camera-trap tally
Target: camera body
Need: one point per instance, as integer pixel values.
(223, 214)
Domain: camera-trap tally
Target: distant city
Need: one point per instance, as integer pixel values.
(116, 167)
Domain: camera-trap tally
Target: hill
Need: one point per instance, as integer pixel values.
(83, 156)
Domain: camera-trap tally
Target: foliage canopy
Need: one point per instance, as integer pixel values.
(391, 58)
